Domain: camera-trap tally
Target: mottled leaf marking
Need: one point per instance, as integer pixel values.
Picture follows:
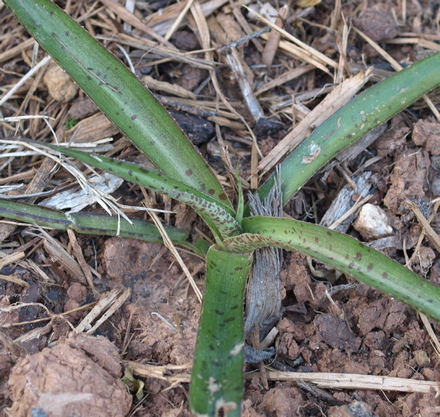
(215, 213)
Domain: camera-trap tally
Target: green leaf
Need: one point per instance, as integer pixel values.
(343, 253)
(215, 213)
(88, 223)
(366, 111)
(118, 93)
(217, 375)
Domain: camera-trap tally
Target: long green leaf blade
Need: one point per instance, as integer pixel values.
(215, 213)
(88, 223)
(366, 111)
(217, 375)
(343, 253)
(118, 93)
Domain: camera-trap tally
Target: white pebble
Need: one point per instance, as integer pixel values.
(372, 222)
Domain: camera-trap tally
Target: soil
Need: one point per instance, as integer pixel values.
(55, 360)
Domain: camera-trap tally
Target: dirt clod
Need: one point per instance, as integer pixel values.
(80, 376)
(282, 402)
(61, 87)
(335, 332)
(354, 409)
(378, 23)
(427, 134)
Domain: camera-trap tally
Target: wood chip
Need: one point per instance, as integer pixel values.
(274, 38)
(341, 95)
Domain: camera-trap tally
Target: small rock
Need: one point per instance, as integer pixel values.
(422, 358)
(354, 409)
(77, 292)
(281, 402)
(70, 305)
(435, 184)
(426, 257)
(61, 87)
(378, 23)
(185, 40)
(372, 223)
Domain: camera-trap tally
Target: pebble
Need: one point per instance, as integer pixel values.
(61, 87)
(372, 223)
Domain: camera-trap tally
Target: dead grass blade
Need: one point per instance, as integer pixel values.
(178, 20)
(423, 43)
(322, 380)
(307, 50)
(428, 230)
(274, 38)
(169, 88)
(14, 280)
(168, 54)
(58, 253)
(131, 19)
(284, 78)
(16, 50)
(10, 259)
(354, 381)
(85, 268)
(169, 244)
(106, 307)
(432, 335)
(26, 77)
(162, 20)
(159, 372)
